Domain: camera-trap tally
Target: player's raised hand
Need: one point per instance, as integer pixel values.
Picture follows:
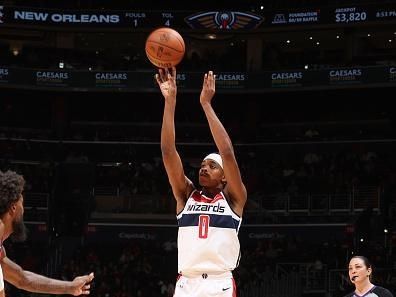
(208, 88)
(167, 82)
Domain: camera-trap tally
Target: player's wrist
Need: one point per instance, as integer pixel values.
(170, 98)
(170, 102)
(205, 104)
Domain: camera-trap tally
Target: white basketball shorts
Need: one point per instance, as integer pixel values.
(204, 286)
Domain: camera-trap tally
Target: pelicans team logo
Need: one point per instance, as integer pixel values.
(233, 20)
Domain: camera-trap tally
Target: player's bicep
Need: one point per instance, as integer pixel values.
(12, 272)
(235, 188)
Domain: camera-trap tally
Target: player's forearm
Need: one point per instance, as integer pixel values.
(168, 137)
(219, 133)
(40, 284)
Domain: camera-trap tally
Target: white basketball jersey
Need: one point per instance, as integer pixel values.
(208, 235)
(1, 279)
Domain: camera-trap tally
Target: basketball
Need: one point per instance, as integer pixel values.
(165, 47)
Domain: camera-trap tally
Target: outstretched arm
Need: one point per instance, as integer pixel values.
(33, 282)
(235, 189)
(181, 185)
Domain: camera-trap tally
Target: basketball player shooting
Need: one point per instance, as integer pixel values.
(209, 218)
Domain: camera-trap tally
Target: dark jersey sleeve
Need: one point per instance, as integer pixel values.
(382, 292)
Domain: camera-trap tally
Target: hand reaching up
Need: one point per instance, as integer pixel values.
(167, 83)
(208, 88)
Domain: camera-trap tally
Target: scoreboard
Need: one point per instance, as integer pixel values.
(209, 20)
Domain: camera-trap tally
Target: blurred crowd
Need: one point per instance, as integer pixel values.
(308, 153)
(286, 266)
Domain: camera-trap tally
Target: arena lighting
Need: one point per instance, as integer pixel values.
(361, 239)
(385, 230)
(261, 7)
(368, 35)
(310, 37)
(338, 36)
(15, 52)
(211, 36)
(390, 40)
(317, 42)
(306, 66)
(288, 41)
(61, 64)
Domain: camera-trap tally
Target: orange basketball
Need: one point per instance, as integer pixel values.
(165, 47)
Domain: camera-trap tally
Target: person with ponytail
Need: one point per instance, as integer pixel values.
(360, 273)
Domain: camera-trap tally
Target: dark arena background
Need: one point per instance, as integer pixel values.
(305, 89)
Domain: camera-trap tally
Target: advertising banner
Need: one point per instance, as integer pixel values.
(134, 81)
